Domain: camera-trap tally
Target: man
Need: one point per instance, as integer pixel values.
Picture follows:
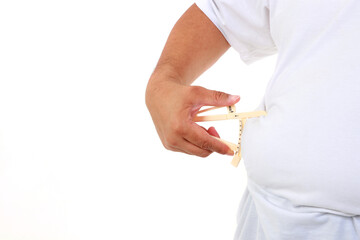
(302, 158)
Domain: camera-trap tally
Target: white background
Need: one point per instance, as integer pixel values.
(80, 157)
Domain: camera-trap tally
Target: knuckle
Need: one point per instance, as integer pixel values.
(219, 95)
(166, 145)
(205, 145)
(195, 90)
(177, 127)
(223, 150)
(170, 142)
(220, 148)
(204, 154)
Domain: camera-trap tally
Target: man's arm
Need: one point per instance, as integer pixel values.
(193, 46)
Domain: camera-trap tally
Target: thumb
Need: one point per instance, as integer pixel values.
(216, 98)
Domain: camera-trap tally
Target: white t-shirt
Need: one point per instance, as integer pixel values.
(302, 158)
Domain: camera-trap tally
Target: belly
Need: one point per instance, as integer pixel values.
(306, 154)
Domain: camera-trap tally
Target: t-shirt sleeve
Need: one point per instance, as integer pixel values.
(245, 25)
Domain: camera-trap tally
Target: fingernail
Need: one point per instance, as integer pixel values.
(234, 98)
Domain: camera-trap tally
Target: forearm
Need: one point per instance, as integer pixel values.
(194, 45)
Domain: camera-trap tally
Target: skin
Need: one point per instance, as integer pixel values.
(193, 46)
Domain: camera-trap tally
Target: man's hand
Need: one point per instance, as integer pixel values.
(173, 106)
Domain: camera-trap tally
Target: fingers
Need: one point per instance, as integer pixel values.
(201, 138)
(199, 144)
(184, 146)
(203, 96)
(212, 131)
(192, 149)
